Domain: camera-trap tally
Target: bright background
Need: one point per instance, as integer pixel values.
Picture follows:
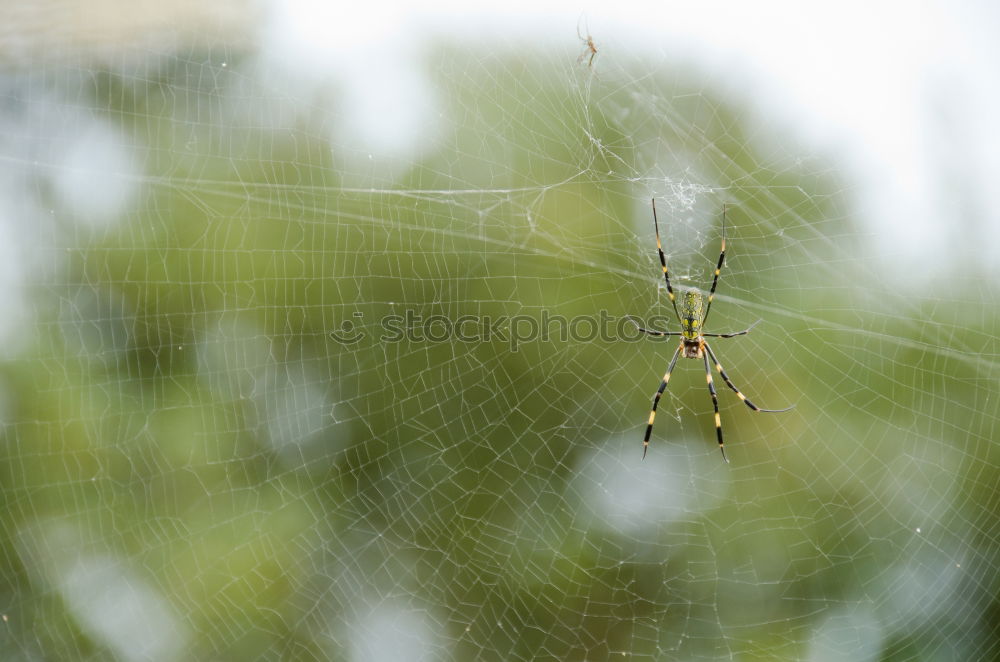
(194, 197)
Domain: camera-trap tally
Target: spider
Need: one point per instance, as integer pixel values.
(589, 48)
(692, 314)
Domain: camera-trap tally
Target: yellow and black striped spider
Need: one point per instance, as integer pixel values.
(692, 314)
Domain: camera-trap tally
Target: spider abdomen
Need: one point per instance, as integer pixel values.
(691, 313)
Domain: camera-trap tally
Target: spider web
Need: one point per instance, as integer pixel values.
(275, 384)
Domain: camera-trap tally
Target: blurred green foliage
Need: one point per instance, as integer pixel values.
(184, 409)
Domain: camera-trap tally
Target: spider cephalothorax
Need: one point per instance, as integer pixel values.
(691, 314)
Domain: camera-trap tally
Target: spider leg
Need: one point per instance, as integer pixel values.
(656, 400)
(729, 383)
(658, 333)
(715, 403)
(653, 332)
(663, 263)
(718, 269)
(732, 335)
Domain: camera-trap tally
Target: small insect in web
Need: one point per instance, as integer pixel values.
(691, 315)
(589, 50)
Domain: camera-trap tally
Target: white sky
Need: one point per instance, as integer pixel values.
(903, 97)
